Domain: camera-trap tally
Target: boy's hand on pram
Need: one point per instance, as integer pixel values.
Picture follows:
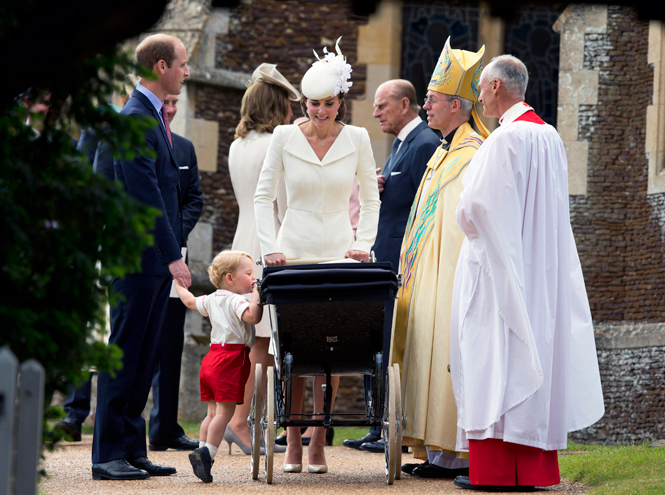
(274, 259)
(357, 255)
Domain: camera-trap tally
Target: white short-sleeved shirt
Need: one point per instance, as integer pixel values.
(225, 311)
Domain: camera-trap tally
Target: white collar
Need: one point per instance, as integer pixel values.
(514, 112)
(406, 130)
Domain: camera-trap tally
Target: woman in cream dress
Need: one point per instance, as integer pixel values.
(319, 160)
(265, 105)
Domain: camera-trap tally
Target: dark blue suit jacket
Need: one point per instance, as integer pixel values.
(400, 190)
(190, 191)
(155, 182)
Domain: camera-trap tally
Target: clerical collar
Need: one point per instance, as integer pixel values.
(445, 142)
(517, 110)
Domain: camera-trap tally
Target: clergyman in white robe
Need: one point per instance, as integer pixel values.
(523, 359)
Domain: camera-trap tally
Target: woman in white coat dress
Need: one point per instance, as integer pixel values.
(319, 160)
(265, 105)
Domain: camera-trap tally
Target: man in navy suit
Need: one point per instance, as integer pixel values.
(164, 430)
(397, 110)
(119, 447)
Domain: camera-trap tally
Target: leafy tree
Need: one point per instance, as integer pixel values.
(59, 222)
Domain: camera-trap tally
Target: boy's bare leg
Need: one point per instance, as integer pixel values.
(205, 424)
(217, 426)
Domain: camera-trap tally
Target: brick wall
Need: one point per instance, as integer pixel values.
(617, 226)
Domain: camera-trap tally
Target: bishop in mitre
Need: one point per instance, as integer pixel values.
(431, 246)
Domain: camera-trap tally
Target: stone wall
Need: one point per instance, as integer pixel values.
(632, 370)
(616, 224)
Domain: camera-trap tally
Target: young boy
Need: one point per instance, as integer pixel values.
(225, 369)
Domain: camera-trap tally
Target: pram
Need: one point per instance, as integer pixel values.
(328, 319)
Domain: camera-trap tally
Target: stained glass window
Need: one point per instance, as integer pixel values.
(531, 39)
(426, 27)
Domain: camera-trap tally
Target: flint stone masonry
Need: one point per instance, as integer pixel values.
(631, 357)
(618, 228)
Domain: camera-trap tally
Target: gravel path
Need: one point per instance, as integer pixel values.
(351, 472)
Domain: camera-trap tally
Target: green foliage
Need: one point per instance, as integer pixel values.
(615, 469)
(60, 222)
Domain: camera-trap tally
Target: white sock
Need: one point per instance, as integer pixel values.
(212, 449)
(201, 443)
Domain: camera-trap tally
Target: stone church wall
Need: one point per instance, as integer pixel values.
(616, 224)
(619, 232)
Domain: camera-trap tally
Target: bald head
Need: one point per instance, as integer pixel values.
(157, 47)
(395, 105)
(399, 89)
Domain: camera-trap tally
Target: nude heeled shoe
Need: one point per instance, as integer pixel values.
(292, 468)
(230, 437)
(317, 468)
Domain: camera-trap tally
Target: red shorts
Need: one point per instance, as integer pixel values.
(224, 373)
(495, 462)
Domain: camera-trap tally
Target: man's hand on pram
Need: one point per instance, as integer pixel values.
(357, 255)
(274, 259)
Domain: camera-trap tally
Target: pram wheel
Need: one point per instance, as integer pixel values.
(389, 416)
(399, 422)
(254, 420)
(269, 432)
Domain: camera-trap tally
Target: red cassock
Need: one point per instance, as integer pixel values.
(495, 462)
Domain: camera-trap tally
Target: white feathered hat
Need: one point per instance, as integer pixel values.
(328, 76)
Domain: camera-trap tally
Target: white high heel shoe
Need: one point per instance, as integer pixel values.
(317, 468)
(292, 468)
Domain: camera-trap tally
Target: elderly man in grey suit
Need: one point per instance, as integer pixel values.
(397, 110)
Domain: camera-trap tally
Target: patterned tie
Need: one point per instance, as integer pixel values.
(165, 117)
(393, 158)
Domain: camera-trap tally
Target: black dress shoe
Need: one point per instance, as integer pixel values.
(463, 482)
(378, 447)
(71, 428)
(408, 468)
(181, 443)
(433, 471)
(356, 443)
(201, 464)
(280, 440)
(152, 469)
(118, 469)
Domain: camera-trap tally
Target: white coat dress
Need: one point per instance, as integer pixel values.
(246, 157)
(316, 223)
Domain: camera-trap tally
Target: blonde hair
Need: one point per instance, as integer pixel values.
(264, 107)
(225, 262)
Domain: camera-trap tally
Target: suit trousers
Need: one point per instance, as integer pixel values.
(164, 425)
(77, 403)
(136, 328)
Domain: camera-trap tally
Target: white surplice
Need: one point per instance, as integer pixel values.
(523, 357)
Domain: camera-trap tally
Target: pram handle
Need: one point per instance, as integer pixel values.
(313, 261)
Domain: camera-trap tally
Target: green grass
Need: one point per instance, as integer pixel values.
(615, 470)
